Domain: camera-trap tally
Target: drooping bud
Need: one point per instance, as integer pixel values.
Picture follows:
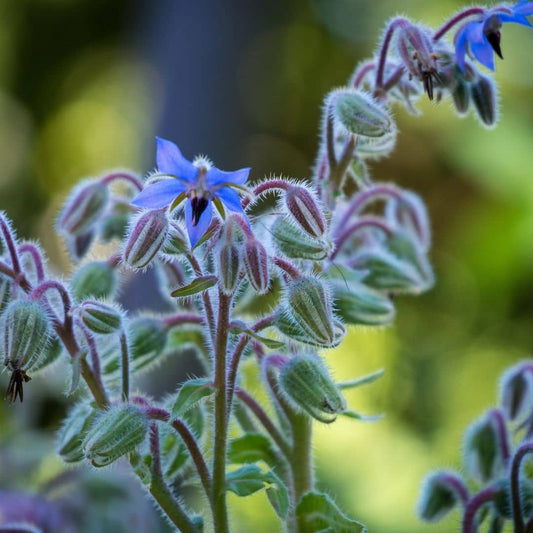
(461, 94)
(94, 280)
(356, 303)
(146, 238)
(286, 324)
(256, 265)
(376, 147)
(441, 492)
(416, 50)
(177, 242)
(26, 329)
(304, 208)
(73, 431)
(359, 113)
(115, 433)
(306, 381)
(6, 289)
(516, 392)
(115, 226)
(229, 267)
(83, 207)
(486, 447)
(295, 244)
(310, 306)
(100, 317)
(483, 92)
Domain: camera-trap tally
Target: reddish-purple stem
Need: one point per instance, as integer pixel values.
(106, 180)
(396, 23)
(472, 507)
(447, 26)
(36, 257)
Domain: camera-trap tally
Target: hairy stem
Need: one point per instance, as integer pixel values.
(516, 506)
(447, 26)
(125, 366)
(473, 506)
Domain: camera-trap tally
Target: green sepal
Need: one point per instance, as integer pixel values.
(196, 286)
(190, 393)
(365, 380)
(238, 326)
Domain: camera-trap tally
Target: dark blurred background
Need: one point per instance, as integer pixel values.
(85, 85)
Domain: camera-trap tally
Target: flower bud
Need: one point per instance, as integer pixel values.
(305, 210)
(285, 323)
(295, 244)
(441, 492)
(486, 447)
(114, 226)
(6, 289)
(502, 498)
(306, 381)
(26, 328)
(355, 303)
(51, 353)
(229, 267)
(359, 113)
(100, 318)
(73, 431)
(146, 238)
(94, 280)
(83, 207)
(483, 92)
(310, 306)
(461, 95)
(114, 433)
(177, 242)
(256, 265)
(376, 147)
(516, 392)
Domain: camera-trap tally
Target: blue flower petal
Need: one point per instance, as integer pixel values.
(171, 161)
(216, 177)
(460, 48)
(479, 45)
(230, 198)
(524, 8)
(159, 194)
(196, 232)
(517, 18)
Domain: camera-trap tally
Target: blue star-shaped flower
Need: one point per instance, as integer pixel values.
(198, 182)
(482, 36)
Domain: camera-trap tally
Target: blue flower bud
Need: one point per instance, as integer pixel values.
(305, 210)
(296, 244)
(441, 493)
(256, 265)
(307, 383)
(147, 236)
(73, 431)
(516, 392)
(461, 95)
(83, 207)
(115, 433)
(94, 280)
(486, 447)
(309, 304)
(483, 92)
(100, 317)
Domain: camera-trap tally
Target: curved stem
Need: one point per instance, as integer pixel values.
(19, 279)
(136, 182)
(394, 78)
(519, 455)
(363, 71)
(270, 185)
(289, 269)
(9, 239)
(162, 493)
(447, 26)
(472, 507)
(51, 284)
(36, 257)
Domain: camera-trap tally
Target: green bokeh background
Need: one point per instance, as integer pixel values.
(78, 96)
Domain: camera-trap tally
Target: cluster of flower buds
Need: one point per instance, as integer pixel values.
(494, 446)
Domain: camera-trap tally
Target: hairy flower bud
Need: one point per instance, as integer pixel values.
(6, 289)
(229, 267)
(146, 238)
(305, 210)
(296, 244)
(256, 265)
(516, 392)
(310, 306)
(100, 317)
(486, 447)
(177, 243)
(73, 431)
(461, 94)
(83, 208)
(441, 492)
(483, 92)
(114, 433)
(356, 303)
(306, 381)
(26, 328)
(94, 280)
(359, 113)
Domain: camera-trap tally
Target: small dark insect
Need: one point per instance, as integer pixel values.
(18, 377)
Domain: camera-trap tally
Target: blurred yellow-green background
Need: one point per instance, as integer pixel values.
(85, 85)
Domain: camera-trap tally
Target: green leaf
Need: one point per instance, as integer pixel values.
(238, 326)
(365, 380)
(317, 512)
(251, 448)
(196, 286)
(190, 393)
(250, 478)
(364, 418)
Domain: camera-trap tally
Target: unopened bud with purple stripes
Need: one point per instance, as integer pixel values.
(256, 265)
(304, 208)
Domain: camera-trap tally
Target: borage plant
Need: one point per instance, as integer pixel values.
(274, 284)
